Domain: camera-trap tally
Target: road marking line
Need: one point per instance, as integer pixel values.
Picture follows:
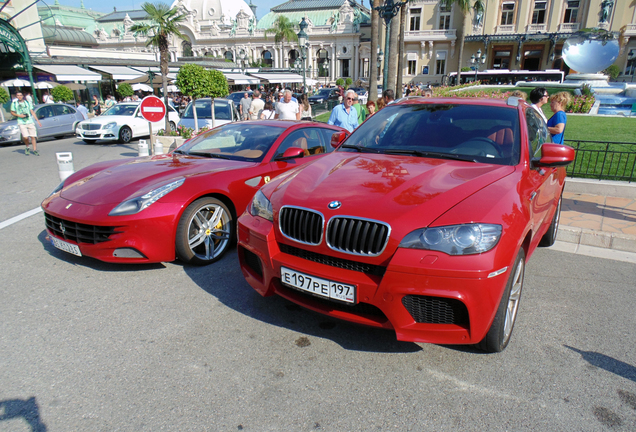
(18, 218)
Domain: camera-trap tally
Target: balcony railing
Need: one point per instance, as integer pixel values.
(505, 29)
(569, 27)
(630, 30)
(603, 160)
(450, 34)
(536, 28)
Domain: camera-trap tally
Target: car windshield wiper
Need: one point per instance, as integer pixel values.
(431, 154)
(210, 155)
(361, 149)
(179, 151)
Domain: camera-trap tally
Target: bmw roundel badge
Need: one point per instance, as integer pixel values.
(334, 205)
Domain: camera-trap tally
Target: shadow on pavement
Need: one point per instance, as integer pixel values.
(22, 409)
(607, 363)
(283, 313)
(92, 263)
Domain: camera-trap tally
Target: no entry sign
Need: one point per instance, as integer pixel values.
(153, 109)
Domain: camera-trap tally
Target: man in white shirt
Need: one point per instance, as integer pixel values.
(287, 109)
(82, 109)
(539, 97)
(257, 105)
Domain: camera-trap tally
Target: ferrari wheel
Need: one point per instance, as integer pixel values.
(125, 135)
(205, 232)
(550, 236)
(500, 331)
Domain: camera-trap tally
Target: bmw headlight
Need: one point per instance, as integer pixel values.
(465, 239)
(111, 125)
(261, 207)
(137, 204)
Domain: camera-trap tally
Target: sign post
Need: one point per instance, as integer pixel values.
(153, 110)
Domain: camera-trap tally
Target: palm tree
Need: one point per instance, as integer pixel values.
(375, 42)
(400, 65)
(464, 7)
(283, 30)
(393, 55)
(162, 25)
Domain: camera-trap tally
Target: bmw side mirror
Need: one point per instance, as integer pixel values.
(337, 139)
(554, 155)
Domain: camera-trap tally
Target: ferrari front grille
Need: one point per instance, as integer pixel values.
(77, 232)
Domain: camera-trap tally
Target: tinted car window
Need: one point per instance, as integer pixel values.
(123, 109)
(311, 140)
(222, 110)
(62, 110)
(537, 132)
(45, 112)
(487, 134)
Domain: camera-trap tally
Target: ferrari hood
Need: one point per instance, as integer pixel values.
(385, 187)
(135, 177)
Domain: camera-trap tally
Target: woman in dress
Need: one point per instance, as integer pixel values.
(97, 108)
(268, 111)
(305, 108)
(556, 123)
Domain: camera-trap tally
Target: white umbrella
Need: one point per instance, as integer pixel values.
(171, 88)
(45, 85)
(16, 83)
(141, 87)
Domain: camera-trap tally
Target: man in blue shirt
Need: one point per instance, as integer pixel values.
(344, 115)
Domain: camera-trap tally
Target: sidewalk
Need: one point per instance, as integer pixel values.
(599, 217)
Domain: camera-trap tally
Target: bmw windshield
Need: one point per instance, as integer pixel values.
(478, 133)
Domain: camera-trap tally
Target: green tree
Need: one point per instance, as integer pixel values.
(375, 42)
(348, 82)
(123, 90)
(340, 82)
(283, 30)
(62, 94)
(464, 6)
(613, 71)
(196, 82)
(4, 96)
(163, 23)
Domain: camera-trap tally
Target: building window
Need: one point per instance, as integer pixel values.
(186, 48)
(365, 68)
(412, 67)
(571, 11)
(228, 55)
(440, 63)
(292, 56)
(444, 17)
(321, 57)
(538, 15)
(345, 67)
(508, 13)
(266, 59)
(415, 19)
(501, 58)
(630, 67)
(532, 57)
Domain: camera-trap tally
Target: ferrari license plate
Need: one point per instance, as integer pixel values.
(318, 286)
(65, 246)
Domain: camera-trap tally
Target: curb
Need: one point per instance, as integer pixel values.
(610, 188)
(601, 239)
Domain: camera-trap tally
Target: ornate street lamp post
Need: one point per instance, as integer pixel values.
(304, 44)
(388, 11)
(325, 66)
(380, 58)
(475, 59)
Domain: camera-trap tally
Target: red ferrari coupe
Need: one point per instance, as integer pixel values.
(182, 204)
(421, 222)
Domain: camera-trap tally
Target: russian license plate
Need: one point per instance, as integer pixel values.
(318, 286)
(65, 246)
(92, 133)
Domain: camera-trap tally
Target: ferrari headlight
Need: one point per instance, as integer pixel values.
(111, 125)
(261, 207)
(137, 204)
(465, 239)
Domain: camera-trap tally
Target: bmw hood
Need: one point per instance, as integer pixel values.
(135, 177)
(385, 187)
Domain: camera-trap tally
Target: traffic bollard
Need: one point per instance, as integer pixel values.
(143, 148)
(158, 147)
(64, 164)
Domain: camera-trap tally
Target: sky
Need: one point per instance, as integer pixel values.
(100, 6)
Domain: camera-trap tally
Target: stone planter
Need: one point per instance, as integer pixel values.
(169, 142)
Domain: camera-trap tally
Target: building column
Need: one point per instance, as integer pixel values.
(355, 62)
(334, 66)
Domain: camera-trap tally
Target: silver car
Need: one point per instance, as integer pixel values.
(224, 112)
(58, 120)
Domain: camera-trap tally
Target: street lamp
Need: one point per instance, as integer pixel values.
(380, 58)
(325, 65)
(631, 59)
(475, 59)
(388, 11)
(304, 44)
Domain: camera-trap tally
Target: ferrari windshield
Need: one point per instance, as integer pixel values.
(237, 141)
(479, 133)
(121, 110)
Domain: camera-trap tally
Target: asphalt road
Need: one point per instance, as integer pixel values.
(89, 346)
